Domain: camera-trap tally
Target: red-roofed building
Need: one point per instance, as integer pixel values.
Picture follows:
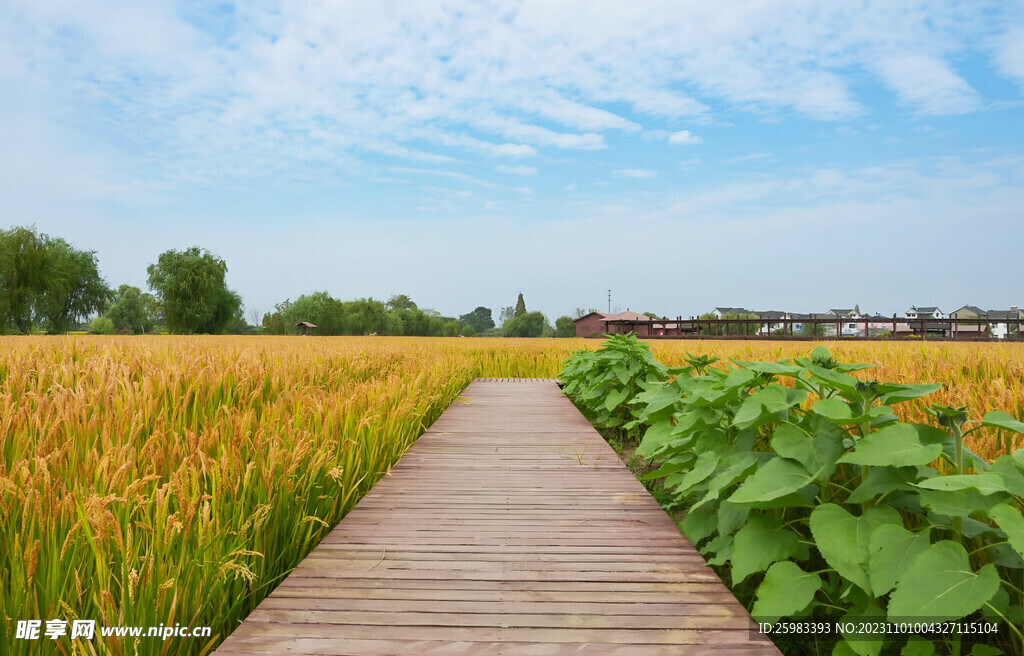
(599, 323)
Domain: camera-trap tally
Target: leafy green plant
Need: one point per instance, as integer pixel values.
(603, 382)
(804, 490)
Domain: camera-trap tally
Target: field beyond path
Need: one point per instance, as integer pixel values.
(509, 527)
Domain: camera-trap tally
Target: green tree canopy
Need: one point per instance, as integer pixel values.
(132, 310)
(21, 277)
(72, 286)
(191, 287)
(531, 324)
(480, 319)
(400, 302)
(362, 316)
(565, 327)
(520, 306)
(48, 279)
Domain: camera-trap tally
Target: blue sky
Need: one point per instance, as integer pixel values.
(767, 154)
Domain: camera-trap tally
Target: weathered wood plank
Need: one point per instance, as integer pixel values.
(510, 527)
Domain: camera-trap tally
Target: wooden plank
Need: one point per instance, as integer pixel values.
(510, 527)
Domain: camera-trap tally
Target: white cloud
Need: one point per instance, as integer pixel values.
(928, 84)
(196, 95)
(514, 150)
(1010, 54)
(747, 158)
(570, 187)
(518, 170)
(684, 137)
(636, 173)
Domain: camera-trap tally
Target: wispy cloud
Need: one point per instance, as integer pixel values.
(636, 173)
(684, 137)
(213, 93)
(928, 84)
(518, 170)
(747, 158)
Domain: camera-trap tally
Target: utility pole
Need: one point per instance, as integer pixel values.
(609, 301)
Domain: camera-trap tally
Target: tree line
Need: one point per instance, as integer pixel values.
(47, 284)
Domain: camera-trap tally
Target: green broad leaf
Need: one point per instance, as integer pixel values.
(776, 368)
(932, 435)
(731, 517)
(861, 644)
(891, 550)
(761, 542)
(1006, 467)
(835, 410)
(940, 584)
(961, 503)
(897, 445)
(828, 447)
(817, 454)
(764, 404)
(739, 378)
(749, 412)
(790, 441)
(1003, 420)
(615, 398)
(882, 480)
(656, 437)
(842, 382)
(776, 478)
(785, 591)
(802, 498)
(844, 540)
(732, 469)
(658, 403)
(1011, 522)
(847, 367)
(699, 524)
(986, 650)
(684, 481)
(682, 462)
(716, 544)
(918, 646)
(907, 392)
(998, 607)
(986, 483)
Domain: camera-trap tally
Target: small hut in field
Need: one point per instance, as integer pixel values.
(304, 326)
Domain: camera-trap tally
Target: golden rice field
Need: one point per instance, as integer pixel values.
(176, 480)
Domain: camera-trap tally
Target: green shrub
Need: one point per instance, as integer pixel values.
(806, 493)
(101, 326)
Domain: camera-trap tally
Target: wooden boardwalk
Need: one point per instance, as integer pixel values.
(510, 527)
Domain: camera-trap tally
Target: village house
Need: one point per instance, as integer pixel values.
(928, 312)
(600, 323)
(848, 327)
(999, 322)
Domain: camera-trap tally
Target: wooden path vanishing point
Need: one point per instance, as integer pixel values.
(510, 527)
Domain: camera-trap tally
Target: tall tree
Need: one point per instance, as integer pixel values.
(400, 302)
(190, 285)
(47, 279)
(132, 310)
(530, 324)
(565, 327)
(520, 306)
(480, 319)
(21, 277)
(506, 313)
(72, 287)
